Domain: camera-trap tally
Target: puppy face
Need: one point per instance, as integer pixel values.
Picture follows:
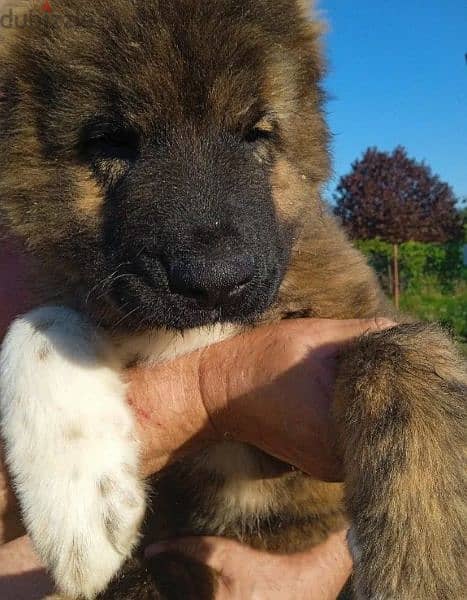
(161, 158)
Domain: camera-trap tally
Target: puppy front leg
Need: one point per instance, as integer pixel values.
(401, 406)
(70, 447)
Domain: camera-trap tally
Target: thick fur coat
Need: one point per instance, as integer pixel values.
(162, 162)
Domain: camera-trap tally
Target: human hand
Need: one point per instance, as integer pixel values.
(271, 388)
(247, 574)
(244, 573)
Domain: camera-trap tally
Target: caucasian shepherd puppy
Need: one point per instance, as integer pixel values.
(162, 160)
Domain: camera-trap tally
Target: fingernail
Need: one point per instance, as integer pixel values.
(383, 323)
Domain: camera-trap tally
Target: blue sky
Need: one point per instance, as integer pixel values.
(397, 75)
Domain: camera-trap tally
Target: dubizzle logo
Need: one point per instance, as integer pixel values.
(40, 9)
(42, 6)
(46, 7)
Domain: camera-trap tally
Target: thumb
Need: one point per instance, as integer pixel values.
(337, 332)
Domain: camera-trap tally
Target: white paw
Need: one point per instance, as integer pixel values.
(70, 447)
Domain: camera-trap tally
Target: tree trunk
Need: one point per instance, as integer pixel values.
(395, 275)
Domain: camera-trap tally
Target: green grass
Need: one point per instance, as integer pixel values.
(432, 305)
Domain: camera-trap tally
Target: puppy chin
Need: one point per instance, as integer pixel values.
(173, 316)
(182, 319)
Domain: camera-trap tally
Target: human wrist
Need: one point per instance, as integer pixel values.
(229, 378)
(170, 416)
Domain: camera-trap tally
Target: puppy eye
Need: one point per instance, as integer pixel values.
(112, 144)
(263, 130)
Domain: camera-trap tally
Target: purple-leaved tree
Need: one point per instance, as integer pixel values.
(396, 199)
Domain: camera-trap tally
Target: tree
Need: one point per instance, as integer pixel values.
(392, 197)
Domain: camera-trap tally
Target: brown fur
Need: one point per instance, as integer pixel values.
(400, 399)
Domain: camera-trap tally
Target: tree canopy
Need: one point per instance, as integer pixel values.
(397, 199)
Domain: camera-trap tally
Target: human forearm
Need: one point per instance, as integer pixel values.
(171, 419)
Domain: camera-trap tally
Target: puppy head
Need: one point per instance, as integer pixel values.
(161, 158)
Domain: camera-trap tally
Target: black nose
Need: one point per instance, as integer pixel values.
(211, 280)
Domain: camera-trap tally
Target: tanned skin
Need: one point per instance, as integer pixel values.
(163, 162)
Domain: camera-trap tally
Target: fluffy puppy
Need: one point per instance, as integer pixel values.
(162, 161)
